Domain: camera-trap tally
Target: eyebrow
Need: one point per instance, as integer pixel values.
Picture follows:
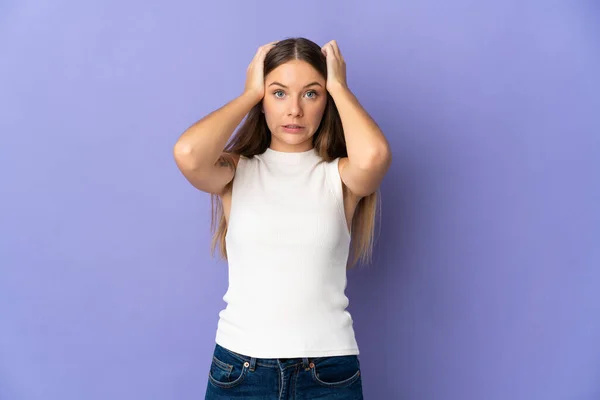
(283, 86)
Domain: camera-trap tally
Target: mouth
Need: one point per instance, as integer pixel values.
(292, 128)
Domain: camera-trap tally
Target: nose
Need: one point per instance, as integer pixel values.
(295, 110)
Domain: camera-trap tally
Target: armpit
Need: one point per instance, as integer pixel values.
(226, 161)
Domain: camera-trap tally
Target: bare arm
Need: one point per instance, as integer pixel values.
(369, 155)
(199, 150)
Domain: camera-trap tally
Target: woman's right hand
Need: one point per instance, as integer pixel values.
(255, 81)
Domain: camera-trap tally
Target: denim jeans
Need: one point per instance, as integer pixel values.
(236, 376)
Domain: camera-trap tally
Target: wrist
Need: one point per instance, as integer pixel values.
(335, 88)
(252, 96)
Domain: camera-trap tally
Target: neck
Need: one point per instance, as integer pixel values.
(283, 147)
(289, 157)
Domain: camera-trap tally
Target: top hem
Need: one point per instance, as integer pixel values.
(289, 353)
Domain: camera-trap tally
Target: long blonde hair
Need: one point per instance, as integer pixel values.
(253, 137)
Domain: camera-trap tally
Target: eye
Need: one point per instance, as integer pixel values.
(277, 93)
(311, 94)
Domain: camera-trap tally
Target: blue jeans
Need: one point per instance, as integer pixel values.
(234, 375)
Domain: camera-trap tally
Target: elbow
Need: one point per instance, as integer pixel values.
(181, 149)
(184, 155)
(377, 158)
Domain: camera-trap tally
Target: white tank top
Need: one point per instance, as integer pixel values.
(287, 249)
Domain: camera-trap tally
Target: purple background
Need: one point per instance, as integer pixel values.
(487, 271)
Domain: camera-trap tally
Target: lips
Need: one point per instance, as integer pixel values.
(293, 128)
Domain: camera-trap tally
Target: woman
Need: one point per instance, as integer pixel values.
(293, 186)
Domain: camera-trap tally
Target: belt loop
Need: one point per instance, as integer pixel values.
(252, 363)
(305, 363)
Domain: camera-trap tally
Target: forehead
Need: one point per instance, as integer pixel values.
(295, 72)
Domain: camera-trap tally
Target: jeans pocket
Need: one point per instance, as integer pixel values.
(226, 369)
(336, 371)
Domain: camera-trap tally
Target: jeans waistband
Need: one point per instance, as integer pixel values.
(270, 362)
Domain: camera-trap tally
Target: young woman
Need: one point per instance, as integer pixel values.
(290, 190)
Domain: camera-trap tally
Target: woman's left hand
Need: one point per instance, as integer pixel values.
(336, 66)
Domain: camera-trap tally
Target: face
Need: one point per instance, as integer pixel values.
(294, 102)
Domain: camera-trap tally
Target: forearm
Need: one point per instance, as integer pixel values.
(202, 143)
(365, 142)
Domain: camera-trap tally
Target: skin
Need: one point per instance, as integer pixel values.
(295, 93)
(199, 151)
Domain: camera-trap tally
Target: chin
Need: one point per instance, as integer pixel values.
(292, 139)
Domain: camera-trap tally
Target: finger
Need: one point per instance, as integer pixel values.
(328, 44)
(262, 48)
(269, 45)
(333, 49)
(262, 51)
(336, 49)
(266, 49)
(329, 52)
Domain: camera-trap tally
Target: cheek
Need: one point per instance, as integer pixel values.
(272, 108)
(317, 112)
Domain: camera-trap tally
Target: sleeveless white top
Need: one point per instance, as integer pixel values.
(287, 248)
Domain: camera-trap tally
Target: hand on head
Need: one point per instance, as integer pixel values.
(336, 66)
(255, 81)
